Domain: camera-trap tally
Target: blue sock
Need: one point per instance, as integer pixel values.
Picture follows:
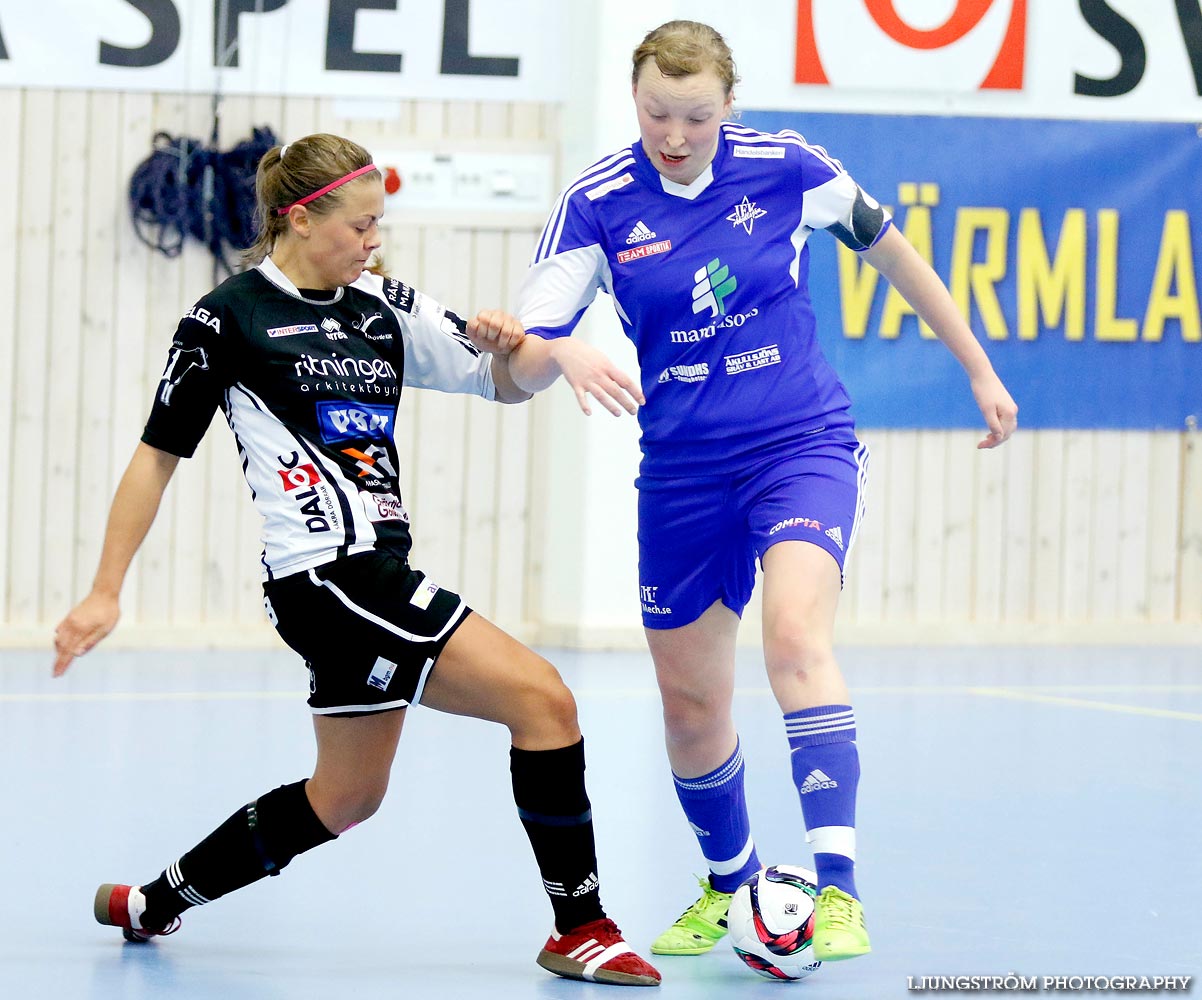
(717, 811)
(826, 770)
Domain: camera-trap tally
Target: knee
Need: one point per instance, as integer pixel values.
(560, 706)
(692, 713)
(546, 709)
(344, 806)
(791, 649)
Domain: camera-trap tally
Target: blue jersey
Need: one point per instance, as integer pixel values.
(709, 281)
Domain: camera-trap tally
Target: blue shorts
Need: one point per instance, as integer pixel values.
(699, 537)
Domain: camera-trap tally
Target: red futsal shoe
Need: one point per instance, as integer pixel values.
(595, 952)
(122, 906)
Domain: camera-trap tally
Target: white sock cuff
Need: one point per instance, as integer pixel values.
(732, 865)
(833, 840)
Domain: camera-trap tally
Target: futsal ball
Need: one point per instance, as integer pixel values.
(771, 922)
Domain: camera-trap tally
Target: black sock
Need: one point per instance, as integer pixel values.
(256, 841)
(548, 787)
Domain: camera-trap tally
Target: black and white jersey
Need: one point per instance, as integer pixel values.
(310, 382)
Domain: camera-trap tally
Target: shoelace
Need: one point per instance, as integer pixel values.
(840, 914)
(708, 892)
(610, 927)
(171, 928)
(598, 928)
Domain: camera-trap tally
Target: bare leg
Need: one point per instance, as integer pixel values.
(695, 668)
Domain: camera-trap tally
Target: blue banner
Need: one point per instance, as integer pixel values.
(1071, 246)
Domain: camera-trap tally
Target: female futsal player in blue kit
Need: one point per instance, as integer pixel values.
(698, 232)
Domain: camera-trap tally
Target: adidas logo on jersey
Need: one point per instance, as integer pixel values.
(639, 234)
(816, 781)
(836, 536)
(590, 884)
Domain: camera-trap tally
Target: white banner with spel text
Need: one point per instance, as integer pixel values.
(503, 50)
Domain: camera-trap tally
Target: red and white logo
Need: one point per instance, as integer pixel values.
(298, 476)
(958, 45)
(646, 250)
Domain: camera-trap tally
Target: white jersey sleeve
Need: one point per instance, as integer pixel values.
(556, 290)
(841, 206)
(438, 353)
(570, 263)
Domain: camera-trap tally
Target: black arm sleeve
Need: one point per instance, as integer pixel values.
(865, 224)
(192, 385)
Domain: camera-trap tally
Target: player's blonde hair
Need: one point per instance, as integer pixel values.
(681, 48)
(294, 171)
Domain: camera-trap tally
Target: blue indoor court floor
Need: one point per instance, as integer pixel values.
(1023, 809)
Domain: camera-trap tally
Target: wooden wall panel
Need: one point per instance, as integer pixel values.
(64, 373)
(1017, 555)
(929, 471)
(130, 307)
(1106, 522)
(900, 513)
(1077, 527)
(26, 473)
(513, 544)
(1047, 525)
(1164, 526)
(1189, 567)
(436, 496)
(989, 543)
(12, 115)
(92, 450)
(1135, 530)
(959, 527)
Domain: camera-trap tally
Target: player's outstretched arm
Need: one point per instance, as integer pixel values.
(134, 507)
(913, 277)
(538, 363)
(498, 333)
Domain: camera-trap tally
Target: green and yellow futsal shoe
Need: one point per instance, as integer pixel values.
(839, 930)
(699, 928)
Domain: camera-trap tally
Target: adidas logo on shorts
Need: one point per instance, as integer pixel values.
(836, 536)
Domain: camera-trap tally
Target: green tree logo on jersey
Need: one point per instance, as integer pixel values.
(714, 284)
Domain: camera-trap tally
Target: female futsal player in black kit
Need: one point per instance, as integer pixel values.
(306, 354)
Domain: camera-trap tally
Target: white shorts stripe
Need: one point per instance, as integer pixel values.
(383, 623)
(421, 681)
(383, 707)
(861, 484)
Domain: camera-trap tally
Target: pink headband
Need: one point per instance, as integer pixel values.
(327, 189)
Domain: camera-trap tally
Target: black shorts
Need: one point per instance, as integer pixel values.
(369, 628)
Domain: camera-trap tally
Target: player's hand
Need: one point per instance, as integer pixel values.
(590, 373)
(89, 622)
(494, 331)
(998, 409)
